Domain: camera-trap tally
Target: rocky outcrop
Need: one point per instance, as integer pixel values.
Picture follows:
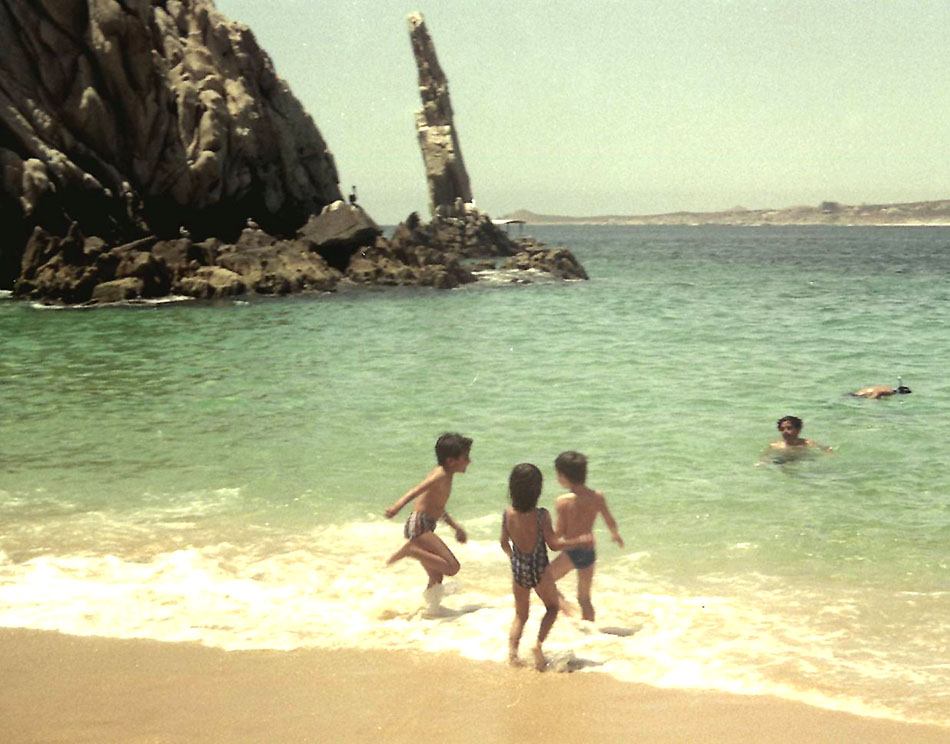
(148, 149)
(559, 262)
(435, 126)
(137, 117)
(448, 252)
(77, 269)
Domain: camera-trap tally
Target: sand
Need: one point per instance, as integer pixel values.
(58, 688)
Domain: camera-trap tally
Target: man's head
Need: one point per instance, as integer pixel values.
(790, 426)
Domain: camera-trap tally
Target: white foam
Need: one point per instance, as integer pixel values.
(331, 588)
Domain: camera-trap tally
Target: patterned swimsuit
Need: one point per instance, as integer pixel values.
(527, 568)
(418, 524)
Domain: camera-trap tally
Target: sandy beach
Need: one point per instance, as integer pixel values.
(60, 688)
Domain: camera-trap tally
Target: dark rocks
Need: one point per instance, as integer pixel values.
(269, 266)
(557, 261)
(338, 231)
(140, 118)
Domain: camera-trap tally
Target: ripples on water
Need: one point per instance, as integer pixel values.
(135, 433)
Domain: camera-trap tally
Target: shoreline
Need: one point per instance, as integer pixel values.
(71, 688)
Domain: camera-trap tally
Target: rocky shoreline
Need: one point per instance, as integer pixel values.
(149, 149)
(341, 247)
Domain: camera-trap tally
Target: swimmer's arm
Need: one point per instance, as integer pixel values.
(426, 484)
(610, 521)
(505, 539)
(823, 448)
(459, 532)
(556, 542)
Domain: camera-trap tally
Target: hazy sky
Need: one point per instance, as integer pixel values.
(629, 107)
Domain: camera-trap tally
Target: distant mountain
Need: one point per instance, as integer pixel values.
(826, 213)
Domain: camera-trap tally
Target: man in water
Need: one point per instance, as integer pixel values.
(792, 445)
(876, 392)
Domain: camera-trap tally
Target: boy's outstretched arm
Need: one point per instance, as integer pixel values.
(411, 494)
(610, 521)
(459, 532)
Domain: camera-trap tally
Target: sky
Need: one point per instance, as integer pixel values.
(627, 106)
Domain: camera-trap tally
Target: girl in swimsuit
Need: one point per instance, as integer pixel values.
(526, 533)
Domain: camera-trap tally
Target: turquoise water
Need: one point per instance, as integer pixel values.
(219, 472)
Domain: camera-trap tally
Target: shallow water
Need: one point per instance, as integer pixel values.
(218, 472)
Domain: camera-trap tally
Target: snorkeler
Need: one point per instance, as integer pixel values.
(876, 392)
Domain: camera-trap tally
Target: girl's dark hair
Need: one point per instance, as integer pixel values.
(524, 487)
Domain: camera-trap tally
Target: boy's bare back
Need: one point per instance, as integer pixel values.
(578, 510)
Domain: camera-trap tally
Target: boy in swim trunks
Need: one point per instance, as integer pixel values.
(576, 512)
(452, 454)
(526, 533)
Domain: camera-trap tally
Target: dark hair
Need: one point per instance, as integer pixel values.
(524, 486)
(573, 466)
(793, 420)
(451, 445)
(903, 390)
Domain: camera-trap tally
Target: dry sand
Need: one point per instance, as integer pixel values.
(58, 688)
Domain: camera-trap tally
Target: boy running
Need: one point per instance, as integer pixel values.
(452, 453)
(576, 512)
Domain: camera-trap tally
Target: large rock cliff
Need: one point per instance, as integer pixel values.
(147, 117)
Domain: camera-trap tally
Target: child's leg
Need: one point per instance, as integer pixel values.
(559, 568)
(522, 601)
(585, 578)
(547, 591)
(431, 552)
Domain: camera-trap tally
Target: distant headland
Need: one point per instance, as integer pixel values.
(934, 213)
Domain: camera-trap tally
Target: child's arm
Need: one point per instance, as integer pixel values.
(411, 494)
(560, 506)
(556, 542)
(609, 519)
(459, 532)
(505, 539)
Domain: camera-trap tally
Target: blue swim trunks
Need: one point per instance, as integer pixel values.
(581, 557)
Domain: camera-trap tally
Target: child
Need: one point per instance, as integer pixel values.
(576, 512)
(452, 454)
(524, 531)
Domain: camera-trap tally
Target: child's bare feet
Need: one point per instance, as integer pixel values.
(514, 661)
(540, 663)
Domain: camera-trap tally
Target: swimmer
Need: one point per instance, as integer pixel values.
(792, 444)
(876, 392)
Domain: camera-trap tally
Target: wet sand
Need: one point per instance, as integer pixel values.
(58, 688)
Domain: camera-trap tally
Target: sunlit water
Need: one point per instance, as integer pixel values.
(219, 472)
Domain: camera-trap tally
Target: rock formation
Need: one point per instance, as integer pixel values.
(445, 171)
(147, 149)
(137, 117)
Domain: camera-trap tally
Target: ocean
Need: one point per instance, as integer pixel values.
(218, 472)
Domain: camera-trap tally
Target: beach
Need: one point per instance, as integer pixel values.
(224, 485)
(60, 688)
